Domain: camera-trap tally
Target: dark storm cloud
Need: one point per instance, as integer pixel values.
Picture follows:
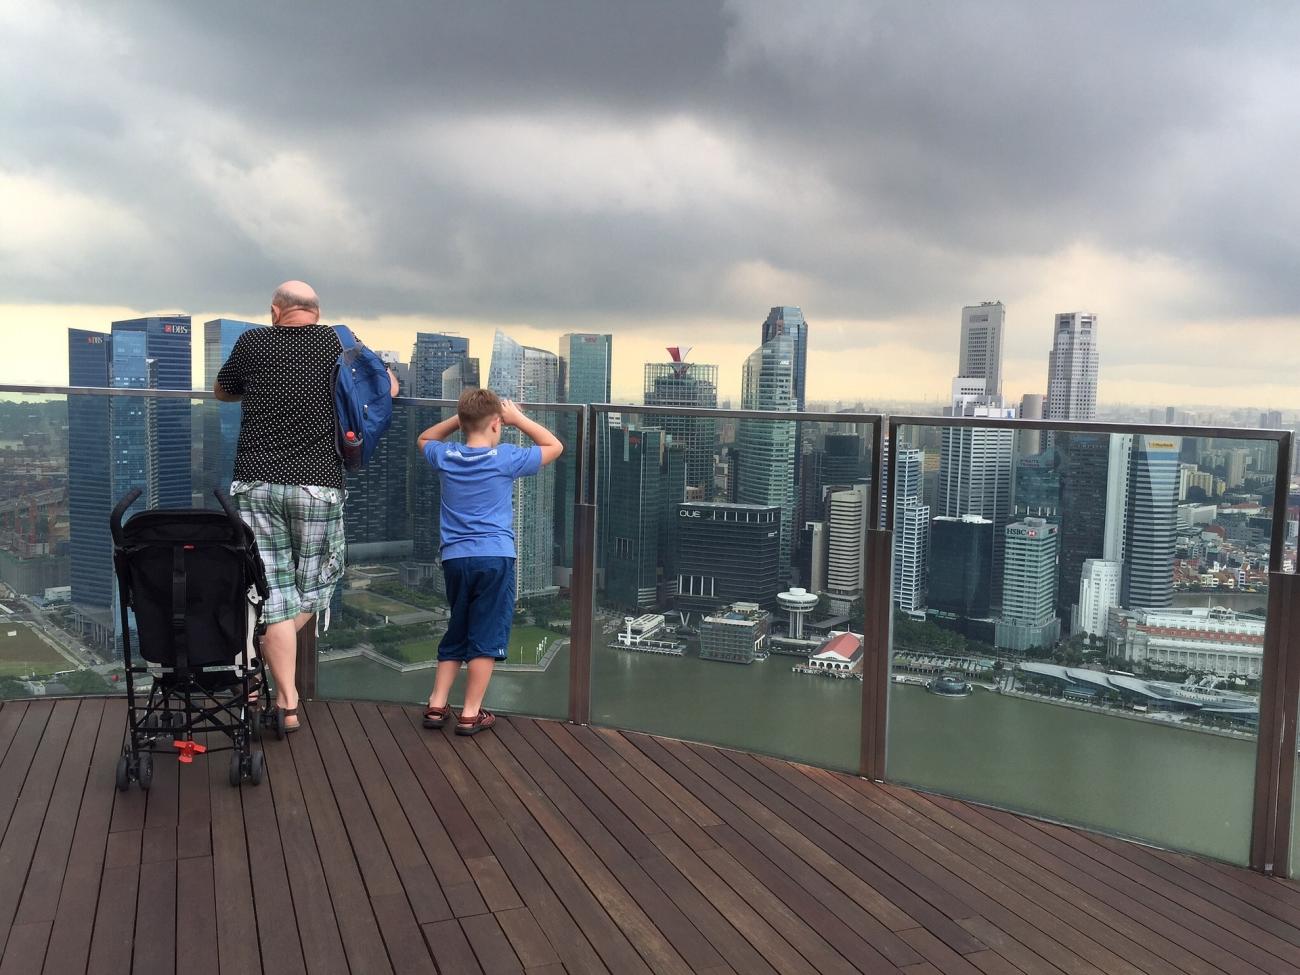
(885, 156)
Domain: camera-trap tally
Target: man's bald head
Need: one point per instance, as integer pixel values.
(295, 303)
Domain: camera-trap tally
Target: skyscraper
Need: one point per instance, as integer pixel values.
(1085, 476)
(981, 347)
(767, 447)
(638, 482)
(911, 532)
(727, 553)
(1072, 368)
(529, 375)
(975, 466)
(789, 320)
(90, 487)
(847, 512)
(151, 437)
(1152, 522)
(688, 384)
(1099, 586)
(1031, 408)
(220, 420)
(585, 363)
(1029, 619)
(433, 354)
(961, 550)
(378, 511)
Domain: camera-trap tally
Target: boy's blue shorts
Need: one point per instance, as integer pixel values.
(481, 590)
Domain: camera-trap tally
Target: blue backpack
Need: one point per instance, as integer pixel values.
(363, 401)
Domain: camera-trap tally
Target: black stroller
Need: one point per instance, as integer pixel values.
(196, 584)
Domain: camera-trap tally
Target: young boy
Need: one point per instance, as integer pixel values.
(478, 543)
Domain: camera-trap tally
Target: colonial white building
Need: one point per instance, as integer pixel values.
(1213, 640)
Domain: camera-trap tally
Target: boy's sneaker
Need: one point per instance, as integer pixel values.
(480, 722)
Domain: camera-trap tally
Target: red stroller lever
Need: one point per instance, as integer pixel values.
(188, 749)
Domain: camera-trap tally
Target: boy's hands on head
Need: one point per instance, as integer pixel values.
(511, 415)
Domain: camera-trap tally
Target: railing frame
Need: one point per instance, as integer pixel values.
(1276, 765)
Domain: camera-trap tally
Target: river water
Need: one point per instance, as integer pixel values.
(1178, 788)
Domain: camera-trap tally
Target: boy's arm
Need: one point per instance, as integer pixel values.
(549, 442)
(439, 431)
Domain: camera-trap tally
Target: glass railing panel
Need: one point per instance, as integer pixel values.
(1079, 624)
(729, 600)
(390, 613)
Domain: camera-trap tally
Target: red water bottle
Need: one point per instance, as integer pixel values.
(351, 450)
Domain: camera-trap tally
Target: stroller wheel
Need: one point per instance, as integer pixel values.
(123, 773)
(236, 768)
(144, 770)
(256, 768)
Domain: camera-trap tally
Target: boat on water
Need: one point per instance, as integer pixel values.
(949, 685)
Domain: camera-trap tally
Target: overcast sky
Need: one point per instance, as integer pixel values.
(667, 171)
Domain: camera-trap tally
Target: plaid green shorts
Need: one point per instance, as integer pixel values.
(299, 532)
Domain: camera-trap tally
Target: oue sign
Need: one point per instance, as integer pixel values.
(688, 513)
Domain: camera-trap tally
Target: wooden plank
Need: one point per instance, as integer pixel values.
(25, 952)
(318, 928)
(498, 893)
(625, 744)
(730, 943)
(1072, 896)
(18, 757)
(1270, 894)
(11, 718)
(558, 838)
(490, 944)
(358, 928)
(1141, 904)
(451, 949)
(78, 896)
(237, 926)
(424, 818)
(1234, 933)
(155, 919)
(922, 896)
(757, 824)
(421, 886)
(196, 920)
(40, 897)
(527, 938)
(110, 946)
(857, 935)
(805, 939)
(645, 819)
(392, 910)
(938, 954)
(1007, 899)
(775, 950)
(1023, 958)
(281, 944)
(23, 833)
(578, 823)
(627, 775)
(194, 809)
(581, 932)
(991, 963)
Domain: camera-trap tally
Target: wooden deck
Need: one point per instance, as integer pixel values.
(376, 846)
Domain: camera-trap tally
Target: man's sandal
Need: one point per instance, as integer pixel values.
(436, 717)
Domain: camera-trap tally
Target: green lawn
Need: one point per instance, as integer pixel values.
(370, 602)
(27, 653)
(523, 646)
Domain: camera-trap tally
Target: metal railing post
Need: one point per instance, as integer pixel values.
(583, 581)
(878, 610)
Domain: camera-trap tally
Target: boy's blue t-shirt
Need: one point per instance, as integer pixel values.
(478, 517)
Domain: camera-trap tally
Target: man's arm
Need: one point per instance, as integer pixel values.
(549, 442)
(439, 431)
(221, 393)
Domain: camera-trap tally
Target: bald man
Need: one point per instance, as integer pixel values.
(288, 475)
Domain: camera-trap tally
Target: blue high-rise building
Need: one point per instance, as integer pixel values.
(151, 436)
(789, 320)
(90, 489)
(220, 420)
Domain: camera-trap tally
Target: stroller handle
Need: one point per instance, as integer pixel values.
(115, 519)
(236, 523)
